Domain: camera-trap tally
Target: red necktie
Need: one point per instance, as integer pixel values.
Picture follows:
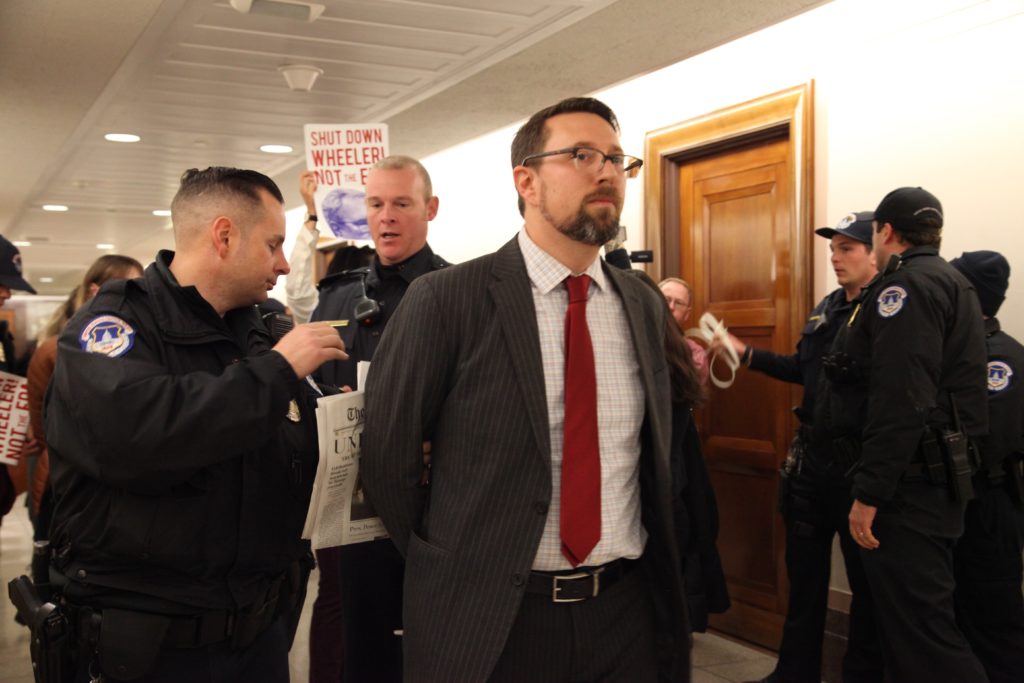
(581, 461)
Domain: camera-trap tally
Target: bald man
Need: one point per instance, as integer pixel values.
(183, 449)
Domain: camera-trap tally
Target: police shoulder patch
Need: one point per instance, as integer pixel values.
(999, 374)
(107, 334)
(891, 300)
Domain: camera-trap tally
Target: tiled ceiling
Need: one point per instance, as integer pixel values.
(199, 82)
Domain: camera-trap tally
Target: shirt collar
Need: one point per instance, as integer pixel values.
(546, 273)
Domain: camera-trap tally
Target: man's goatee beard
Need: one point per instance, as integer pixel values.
(588, 229)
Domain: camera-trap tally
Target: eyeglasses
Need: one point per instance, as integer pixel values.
(592, 160)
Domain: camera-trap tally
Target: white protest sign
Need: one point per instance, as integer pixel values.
(13, 417)
(340, 156)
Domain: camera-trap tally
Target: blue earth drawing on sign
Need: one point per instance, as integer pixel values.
(344, 210)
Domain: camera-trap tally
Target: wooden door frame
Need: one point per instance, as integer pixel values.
(786, 114)
(790, 112)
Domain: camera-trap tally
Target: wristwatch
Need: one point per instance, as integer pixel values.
(311, 218)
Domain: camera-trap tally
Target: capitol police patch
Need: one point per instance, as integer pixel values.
(999, 374)
(108, 335)
(890, 301)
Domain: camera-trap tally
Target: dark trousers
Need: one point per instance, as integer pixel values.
(326, 644)
(371, 582)
(816, 510)
(911, 578)
(264, 661)
(989, 602)
(607, 639)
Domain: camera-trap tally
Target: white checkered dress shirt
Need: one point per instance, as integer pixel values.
(620, 406)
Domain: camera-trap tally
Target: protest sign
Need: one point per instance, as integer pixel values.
(13, 417)
(340, 156)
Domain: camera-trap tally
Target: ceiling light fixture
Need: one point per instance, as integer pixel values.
(287, 9)
(121, 137)
(163, 213)
(300, 77)
(21, 243)
(54, 207)
(104, 245)
(275, 149)
(46, 280)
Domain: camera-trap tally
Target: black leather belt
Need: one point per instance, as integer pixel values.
(580, 584)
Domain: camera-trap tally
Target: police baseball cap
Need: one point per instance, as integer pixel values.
(910, 209)
(10, 267)
(856, 226)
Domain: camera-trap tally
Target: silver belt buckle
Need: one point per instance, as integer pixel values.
(555, 588)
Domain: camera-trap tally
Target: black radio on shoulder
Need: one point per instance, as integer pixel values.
(367, 309)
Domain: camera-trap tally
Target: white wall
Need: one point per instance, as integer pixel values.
(927, 92)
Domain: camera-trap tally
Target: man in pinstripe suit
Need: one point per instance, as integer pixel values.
(474, 362)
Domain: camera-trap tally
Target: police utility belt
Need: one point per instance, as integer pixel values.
(128, 642)
(947, 458)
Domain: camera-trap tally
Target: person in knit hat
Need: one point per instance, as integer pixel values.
(987, 560)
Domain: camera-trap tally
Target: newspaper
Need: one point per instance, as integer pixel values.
(339, 513)
(13, 417)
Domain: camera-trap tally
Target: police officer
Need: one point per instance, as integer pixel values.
(987, 559)
(399, 205)
(907, 390)
(815, 494)
(183, 449)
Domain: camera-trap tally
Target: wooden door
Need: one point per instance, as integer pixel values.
(729, 206)
(735, 240)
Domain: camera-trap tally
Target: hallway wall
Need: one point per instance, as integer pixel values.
(908, 92)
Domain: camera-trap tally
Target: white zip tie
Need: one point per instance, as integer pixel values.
(710, 328)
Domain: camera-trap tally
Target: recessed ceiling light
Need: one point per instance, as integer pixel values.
(54, 207)
(275, 149)
(104, 245)
(46, 280)
(21, 243)
(162, 212)
(121, 137)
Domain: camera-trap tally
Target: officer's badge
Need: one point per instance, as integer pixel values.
(890, 301)
(108, 335)
(999, 374)
(293, 411)
(848, 220)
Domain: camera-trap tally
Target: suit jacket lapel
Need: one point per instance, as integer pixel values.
(640, 328)
(513, 302)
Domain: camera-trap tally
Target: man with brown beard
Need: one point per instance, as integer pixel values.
(542, 548)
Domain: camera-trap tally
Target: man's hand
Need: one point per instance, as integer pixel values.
(307, 188)
(309, 346)
(738, 346)
(861, 518)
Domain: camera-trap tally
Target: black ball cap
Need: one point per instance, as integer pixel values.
(10, 267)
(910, 208)
(856, 226)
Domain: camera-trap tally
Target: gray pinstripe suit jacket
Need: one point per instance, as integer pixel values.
(460, 365)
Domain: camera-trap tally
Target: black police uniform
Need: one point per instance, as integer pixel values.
(914, 340)
(815, 503)
(339, 295)
(182, 453)
(371, 573)
(987, 559)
